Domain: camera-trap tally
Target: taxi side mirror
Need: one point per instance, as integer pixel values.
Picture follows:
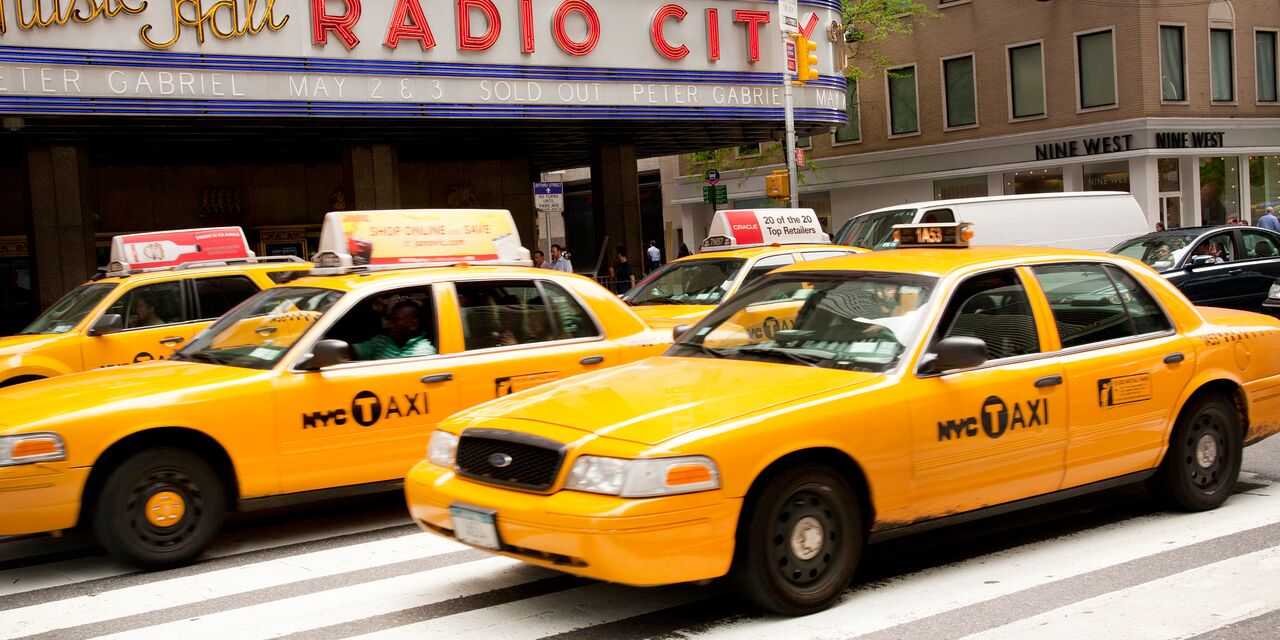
(679, 331)
(956, 352)
(1201, 261)
(325, 353)
(107, 324)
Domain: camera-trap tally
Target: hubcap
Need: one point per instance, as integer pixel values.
(806, 538)
(1206, 451)
(1205, 456)
(165, 509)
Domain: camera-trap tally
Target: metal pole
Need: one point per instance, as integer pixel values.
(791, 126)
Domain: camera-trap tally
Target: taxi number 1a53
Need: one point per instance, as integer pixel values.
(475, 526)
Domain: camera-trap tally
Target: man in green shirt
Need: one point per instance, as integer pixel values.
(403, 337)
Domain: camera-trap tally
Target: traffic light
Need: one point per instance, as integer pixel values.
(778, 184)
(806, 59)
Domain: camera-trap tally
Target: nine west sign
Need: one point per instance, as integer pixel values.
(1190, 139)
(1084, 147)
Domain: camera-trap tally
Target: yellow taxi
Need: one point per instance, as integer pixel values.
(329, 382)
(741, 246)
(158, 291)
(913, 388)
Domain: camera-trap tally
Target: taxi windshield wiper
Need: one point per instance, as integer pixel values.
(702, 348)
(659, 300)
(808, 357)
(200, 356)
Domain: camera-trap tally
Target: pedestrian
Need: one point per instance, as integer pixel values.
(624, 276)
(1159, 226)
(560, 259)
(1269, 221)
(655, 256)
(539, 259)
(1233, 221)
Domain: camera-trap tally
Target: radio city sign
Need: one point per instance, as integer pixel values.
(584, 53)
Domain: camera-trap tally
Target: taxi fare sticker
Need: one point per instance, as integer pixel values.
(514, 384)
(1113, 392)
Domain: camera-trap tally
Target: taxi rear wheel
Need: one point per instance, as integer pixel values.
(161, 508)
(1203, 462)
(800, 542)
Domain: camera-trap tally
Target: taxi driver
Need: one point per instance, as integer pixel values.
(402, 336)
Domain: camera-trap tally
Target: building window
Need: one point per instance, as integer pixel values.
(805, 142)
(1026, 80)
(1033, 181)
(1222, 75)
(1107, 176)
(1170, 180)
(851, 132)
(1264, 183)
(1096, 66)
(961, 91)
(749, 151)
(1264, 52)
(971, 187)
(903, 107)
(1173, 81)
(1219, 189)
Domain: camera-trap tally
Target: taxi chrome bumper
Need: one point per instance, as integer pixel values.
(639, 542)
(39, 498)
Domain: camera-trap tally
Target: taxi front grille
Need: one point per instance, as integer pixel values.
(509, 458)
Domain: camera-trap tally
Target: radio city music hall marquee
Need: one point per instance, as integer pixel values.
(717, 59)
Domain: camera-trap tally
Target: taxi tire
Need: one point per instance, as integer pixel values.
(121, 527)
(808, 491)
(1180, 481)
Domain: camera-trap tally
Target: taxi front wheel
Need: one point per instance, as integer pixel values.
(161, 508)
(1205, 451)
(800, 542)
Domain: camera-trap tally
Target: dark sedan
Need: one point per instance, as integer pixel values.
(1223, 266)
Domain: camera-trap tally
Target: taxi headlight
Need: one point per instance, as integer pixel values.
(1274, 292)
(643, 478)
(29, 448)
(442, 448)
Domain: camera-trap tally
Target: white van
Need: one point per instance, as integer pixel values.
(1095, 220)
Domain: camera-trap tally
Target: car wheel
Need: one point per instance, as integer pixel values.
(800, 542)
(1203, 462)
(161, 508)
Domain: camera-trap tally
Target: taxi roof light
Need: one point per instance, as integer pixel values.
(954, 235)
(364, 241)
(178, 249)
(744, 228)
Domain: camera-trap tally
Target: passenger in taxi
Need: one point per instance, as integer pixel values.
(144, 311)
(402, 337)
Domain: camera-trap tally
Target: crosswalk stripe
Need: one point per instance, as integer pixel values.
(142, 598)
(900, 600)
(1214, 595)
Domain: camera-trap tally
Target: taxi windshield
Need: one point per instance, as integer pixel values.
(66, 313)
(257, 334)
(875, 231)
(1161, 251)
(702, 282)
(856, 321)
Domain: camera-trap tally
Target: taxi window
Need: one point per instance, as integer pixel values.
(257, 334)
(281, 277)
(216, 296)
(697, 282)
(152, 305)
(1216, 246)
(1259, 244)
(810, 256)
(993, 307)
(389, 325)
(1087, 306)
(570, 320)
(765, 265)
(1147, 315)
(66, 313)
(503, 314)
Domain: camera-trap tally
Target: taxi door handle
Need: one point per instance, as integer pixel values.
(1174, 358)
(172, 341)
(590, 360)
(437, 377)
(1048, 381)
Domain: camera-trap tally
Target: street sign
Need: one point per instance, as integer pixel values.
(548, 196)
(791, 56)
(715, 194)
(800, 157)
(713, 176)
(790, 15)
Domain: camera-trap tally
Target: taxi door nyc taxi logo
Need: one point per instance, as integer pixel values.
(996, 419)
(367, 409)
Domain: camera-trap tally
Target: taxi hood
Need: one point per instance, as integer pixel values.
(669, 316)
(660, 398)
(146, 384)
(16, 345)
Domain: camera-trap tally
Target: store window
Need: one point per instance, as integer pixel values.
(1173, 81)
(1170, 183)
(1264, 52)
(1107, 176)
(971, 187)
(1096, 66)
(961, 92)
(1026, 80)
(1222, 75)
(1170, 179)
(852, 131)
(1264, 183)
(1033, 181)
(1219, 189)
(903, 106)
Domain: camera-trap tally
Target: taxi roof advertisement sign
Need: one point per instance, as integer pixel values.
(756, 227)
(420, 236)
(165, 249)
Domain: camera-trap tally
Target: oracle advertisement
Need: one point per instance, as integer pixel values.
(750, 227)
(165, 249)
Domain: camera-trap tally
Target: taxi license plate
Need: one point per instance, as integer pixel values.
(475, 526)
